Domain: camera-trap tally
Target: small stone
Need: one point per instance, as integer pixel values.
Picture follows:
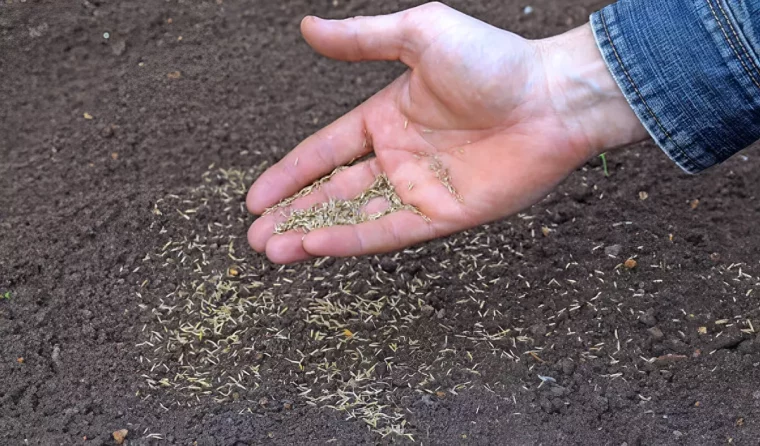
(528, 10)
(20, 360)
(538, 329)
(440, 313)
(558, 391)
(427, 310)
(613, 250)
(648, 318)
(568, 366)
(678, 434)
(546, 231)
(174, 75)
(263, 401)
(388, 265)
(694, 204)
(630, 264)
(655, 333)
(643, 195)
(120, 435)
(87, 116)
(287, 405)
(548, 406)
(715, 257)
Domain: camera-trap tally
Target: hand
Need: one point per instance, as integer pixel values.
(506, 118)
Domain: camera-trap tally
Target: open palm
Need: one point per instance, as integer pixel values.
(468, 135)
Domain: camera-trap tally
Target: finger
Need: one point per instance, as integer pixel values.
(390, 233)
(345, 185)
(359, 38)
(400, 36)
(287, 248)
(337, 144)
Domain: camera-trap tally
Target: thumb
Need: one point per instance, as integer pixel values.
(384, 37)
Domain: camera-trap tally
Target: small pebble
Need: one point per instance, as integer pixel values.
(388, 265)
(613, 250)
(648, 318)
(538, 330)
(528, 10)
(120, 435)
(656, 333)
(568, 366)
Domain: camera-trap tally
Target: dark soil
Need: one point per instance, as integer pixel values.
(502, 335)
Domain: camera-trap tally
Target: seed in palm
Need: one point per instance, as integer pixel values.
(342, 212)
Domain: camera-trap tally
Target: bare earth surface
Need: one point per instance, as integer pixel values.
(130, 299)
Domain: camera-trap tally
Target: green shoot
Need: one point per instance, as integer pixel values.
(6, 295)
(603, 156)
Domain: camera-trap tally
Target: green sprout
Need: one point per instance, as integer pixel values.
(603, 156)
(6, 295)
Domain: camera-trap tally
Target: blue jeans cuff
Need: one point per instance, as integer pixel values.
(689, 79)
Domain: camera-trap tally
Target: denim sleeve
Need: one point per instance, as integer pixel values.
(691, 71)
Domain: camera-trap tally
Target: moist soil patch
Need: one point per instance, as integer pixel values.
(621, 309)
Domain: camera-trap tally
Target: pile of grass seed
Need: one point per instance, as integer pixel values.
(340, 212)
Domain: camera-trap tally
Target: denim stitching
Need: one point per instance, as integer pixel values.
(739, 42)
(730, 44)
(641, 96)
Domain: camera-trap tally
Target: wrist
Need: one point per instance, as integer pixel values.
(585, 96)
